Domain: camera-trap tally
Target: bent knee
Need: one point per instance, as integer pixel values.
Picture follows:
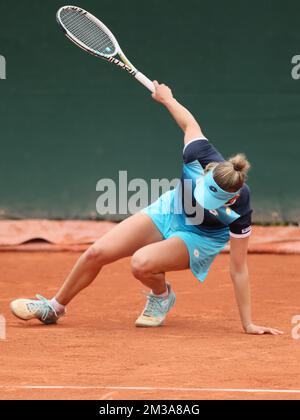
(97, 255)
(141, 265)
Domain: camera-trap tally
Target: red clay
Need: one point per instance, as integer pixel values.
(201, 345)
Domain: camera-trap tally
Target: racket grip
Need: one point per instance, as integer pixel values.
(145, 81)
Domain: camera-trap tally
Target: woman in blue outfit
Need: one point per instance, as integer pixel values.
(185, 228)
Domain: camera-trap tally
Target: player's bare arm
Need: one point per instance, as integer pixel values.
(240, 277)
(186, 121)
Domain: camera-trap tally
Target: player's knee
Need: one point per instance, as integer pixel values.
(96, 255)
(141, 265)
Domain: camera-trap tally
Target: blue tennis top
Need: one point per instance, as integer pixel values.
(197, 154)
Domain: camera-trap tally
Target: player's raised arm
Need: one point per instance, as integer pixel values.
(182, 116)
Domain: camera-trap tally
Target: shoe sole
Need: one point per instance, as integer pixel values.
(17, 316)
(140, 325)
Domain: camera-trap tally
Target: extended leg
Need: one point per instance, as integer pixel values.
(130, 235)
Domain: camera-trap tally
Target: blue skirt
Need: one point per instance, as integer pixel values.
(203, 244)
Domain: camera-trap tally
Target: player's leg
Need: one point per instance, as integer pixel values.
(149, 265)
(127, 237)
(122, 241)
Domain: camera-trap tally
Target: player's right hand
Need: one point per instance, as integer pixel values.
(257, 330)
(162, 93)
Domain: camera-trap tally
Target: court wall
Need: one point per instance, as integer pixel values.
(69, 120)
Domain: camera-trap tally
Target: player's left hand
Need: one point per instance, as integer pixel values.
(257, 330)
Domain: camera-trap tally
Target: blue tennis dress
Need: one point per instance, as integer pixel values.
(204, 232)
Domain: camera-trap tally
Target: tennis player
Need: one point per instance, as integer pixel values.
(164, 238)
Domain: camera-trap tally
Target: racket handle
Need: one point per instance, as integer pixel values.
(145, 81)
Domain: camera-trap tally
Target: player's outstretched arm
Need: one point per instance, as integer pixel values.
(240, 278)
(182, 116)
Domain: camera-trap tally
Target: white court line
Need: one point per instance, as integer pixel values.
(137, 388)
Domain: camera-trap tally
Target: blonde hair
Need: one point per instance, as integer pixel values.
(232, 174)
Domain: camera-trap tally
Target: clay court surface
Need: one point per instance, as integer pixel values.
(95, 352)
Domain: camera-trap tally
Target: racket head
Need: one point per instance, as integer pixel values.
(87, 32)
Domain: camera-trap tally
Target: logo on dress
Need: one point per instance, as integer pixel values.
(228, 211)
(196, 253)
(214, 212)
(248, 229)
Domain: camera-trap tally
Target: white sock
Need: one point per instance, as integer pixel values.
(59, 309)
(163, 295)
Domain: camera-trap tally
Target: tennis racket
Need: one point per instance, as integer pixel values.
(90, 34)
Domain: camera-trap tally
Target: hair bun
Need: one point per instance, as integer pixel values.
(240, 163)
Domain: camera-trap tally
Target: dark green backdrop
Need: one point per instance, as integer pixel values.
(68, 119)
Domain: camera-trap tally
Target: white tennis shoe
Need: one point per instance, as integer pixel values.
(40, 309)
(156, 310)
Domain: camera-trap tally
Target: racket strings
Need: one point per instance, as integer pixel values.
(87, 32)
